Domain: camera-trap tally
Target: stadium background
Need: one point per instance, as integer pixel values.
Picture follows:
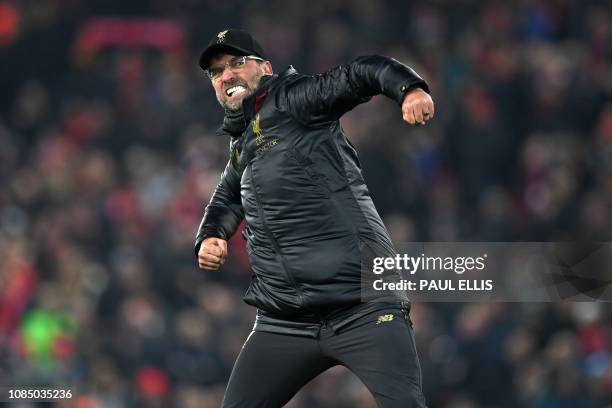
(108, 153)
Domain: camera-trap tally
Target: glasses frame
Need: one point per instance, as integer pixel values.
(233, 64)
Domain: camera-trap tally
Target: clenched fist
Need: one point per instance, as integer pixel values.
(212, 254)
(418, 107)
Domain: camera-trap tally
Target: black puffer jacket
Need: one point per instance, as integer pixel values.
(296, 179)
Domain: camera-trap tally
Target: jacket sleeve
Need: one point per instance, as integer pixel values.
(224, 212)
(326, 97)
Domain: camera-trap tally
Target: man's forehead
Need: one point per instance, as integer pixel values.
(222, 58)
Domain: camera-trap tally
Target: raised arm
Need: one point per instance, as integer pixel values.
(326, 97)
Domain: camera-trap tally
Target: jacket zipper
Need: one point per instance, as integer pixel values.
(274, 243)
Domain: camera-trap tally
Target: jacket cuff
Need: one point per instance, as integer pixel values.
(206, 233)
(406, 88)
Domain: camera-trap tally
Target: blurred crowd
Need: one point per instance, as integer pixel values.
(108, 154)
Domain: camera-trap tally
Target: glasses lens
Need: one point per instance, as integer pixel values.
(234, 63)
(237, 62)
(214, 73)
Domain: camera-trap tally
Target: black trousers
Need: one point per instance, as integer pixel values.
(378, 347)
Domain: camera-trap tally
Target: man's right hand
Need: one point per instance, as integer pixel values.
(212, 254)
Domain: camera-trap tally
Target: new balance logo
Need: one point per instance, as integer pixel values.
(384, 318)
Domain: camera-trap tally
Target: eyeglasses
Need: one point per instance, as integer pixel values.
(235, 64)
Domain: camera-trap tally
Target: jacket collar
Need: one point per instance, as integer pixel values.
(235, 122)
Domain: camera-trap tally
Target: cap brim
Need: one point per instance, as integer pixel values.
(215, 49)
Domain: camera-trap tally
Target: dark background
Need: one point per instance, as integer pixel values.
(108, 156)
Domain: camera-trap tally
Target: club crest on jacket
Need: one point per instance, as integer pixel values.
(263, 143)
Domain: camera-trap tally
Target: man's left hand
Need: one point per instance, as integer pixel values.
(418, 107)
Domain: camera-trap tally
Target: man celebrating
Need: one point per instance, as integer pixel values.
(296, 179)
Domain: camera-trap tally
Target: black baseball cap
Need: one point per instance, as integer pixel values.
(232, 41)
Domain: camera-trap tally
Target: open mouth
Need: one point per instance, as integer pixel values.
(235, 90)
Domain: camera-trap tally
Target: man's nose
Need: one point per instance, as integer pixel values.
(227, 75)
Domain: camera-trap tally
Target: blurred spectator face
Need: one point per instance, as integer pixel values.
(237, 82)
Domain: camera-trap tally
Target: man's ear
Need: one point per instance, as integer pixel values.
(268, 68)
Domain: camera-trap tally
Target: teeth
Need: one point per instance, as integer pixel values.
(235, 89)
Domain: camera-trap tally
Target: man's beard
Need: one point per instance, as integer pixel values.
(250, 86)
